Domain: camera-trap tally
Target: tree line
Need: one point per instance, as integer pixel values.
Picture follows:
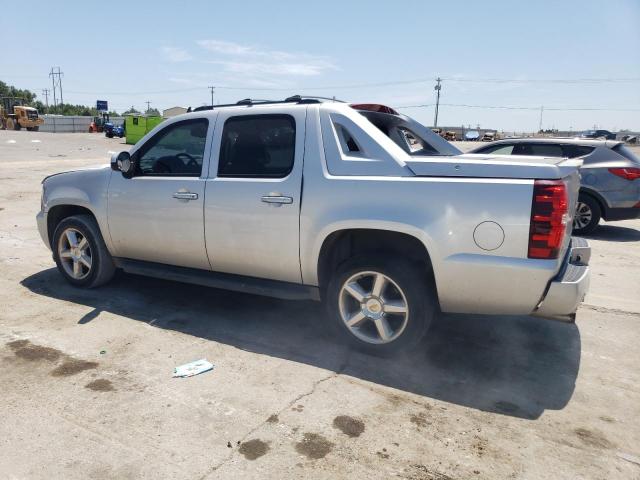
(61, 109)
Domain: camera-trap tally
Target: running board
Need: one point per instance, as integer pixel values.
(224, 281)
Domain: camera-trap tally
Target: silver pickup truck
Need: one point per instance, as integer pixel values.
(356, 205)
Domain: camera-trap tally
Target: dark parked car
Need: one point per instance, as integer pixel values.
(111, 130)
(610, 186)
(603, 134)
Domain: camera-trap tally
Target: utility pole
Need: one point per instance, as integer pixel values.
(541, 110)
(56, 81)
(148, 103)
(437, 88)
(212, 89)
(53, 84)
(45, 92)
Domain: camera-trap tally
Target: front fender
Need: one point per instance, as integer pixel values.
(83, 188)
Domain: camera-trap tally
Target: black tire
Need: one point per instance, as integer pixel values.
(413, 283)
(36, 128)
(587, 205)
(16, 125)
(102, 266)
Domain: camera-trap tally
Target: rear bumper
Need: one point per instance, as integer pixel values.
(567, 290)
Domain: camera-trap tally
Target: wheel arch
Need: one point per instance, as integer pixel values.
(57, 213)
(602, 203)
(341, 244)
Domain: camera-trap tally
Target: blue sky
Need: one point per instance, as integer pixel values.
(386, 52)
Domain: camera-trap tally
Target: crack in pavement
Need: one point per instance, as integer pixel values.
(613, 311)
(286, 407)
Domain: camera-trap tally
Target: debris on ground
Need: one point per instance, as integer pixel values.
(193, 368)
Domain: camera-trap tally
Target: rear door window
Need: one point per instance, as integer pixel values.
(258, 146)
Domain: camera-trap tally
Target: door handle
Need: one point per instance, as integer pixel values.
(277, 199)
(185, 196)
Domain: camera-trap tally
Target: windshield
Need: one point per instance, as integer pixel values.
(413, 137)
(626, 153)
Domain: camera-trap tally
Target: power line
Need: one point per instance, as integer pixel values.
(508, 107)
(591, 81)
(544, 80)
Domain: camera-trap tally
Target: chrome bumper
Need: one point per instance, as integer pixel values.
(41, 220)
(567, 290)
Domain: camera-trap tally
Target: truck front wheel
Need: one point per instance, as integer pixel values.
(80, 253)
(381, 306)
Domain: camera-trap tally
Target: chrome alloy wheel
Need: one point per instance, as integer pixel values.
(74, 253)
(373, 307)
(582, 216)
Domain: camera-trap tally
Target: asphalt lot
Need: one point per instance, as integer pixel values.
(484, 397)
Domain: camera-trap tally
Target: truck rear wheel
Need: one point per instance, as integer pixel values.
(36, 128)
(381, 306)
(80, 252)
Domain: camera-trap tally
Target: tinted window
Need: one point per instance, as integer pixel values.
(538, 149)
(498, 149)
(573, 151)
(177, 150)
(257, 146)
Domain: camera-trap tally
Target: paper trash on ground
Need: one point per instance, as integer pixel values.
(193, 368)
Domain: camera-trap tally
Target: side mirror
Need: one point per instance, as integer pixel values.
(123, 162)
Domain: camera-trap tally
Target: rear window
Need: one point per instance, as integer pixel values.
(573, 151)
(398, 130)
(415, 144)
(626, 153)
(501, 149)
(539, 149)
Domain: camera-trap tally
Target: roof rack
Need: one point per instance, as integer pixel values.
(299, 99)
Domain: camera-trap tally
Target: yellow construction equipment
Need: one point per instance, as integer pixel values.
(15, 115)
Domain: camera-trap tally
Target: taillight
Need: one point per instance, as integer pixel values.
(548, 218)
(626, 173)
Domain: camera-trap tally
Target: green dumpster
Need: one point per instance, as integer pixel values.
(137, 126)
